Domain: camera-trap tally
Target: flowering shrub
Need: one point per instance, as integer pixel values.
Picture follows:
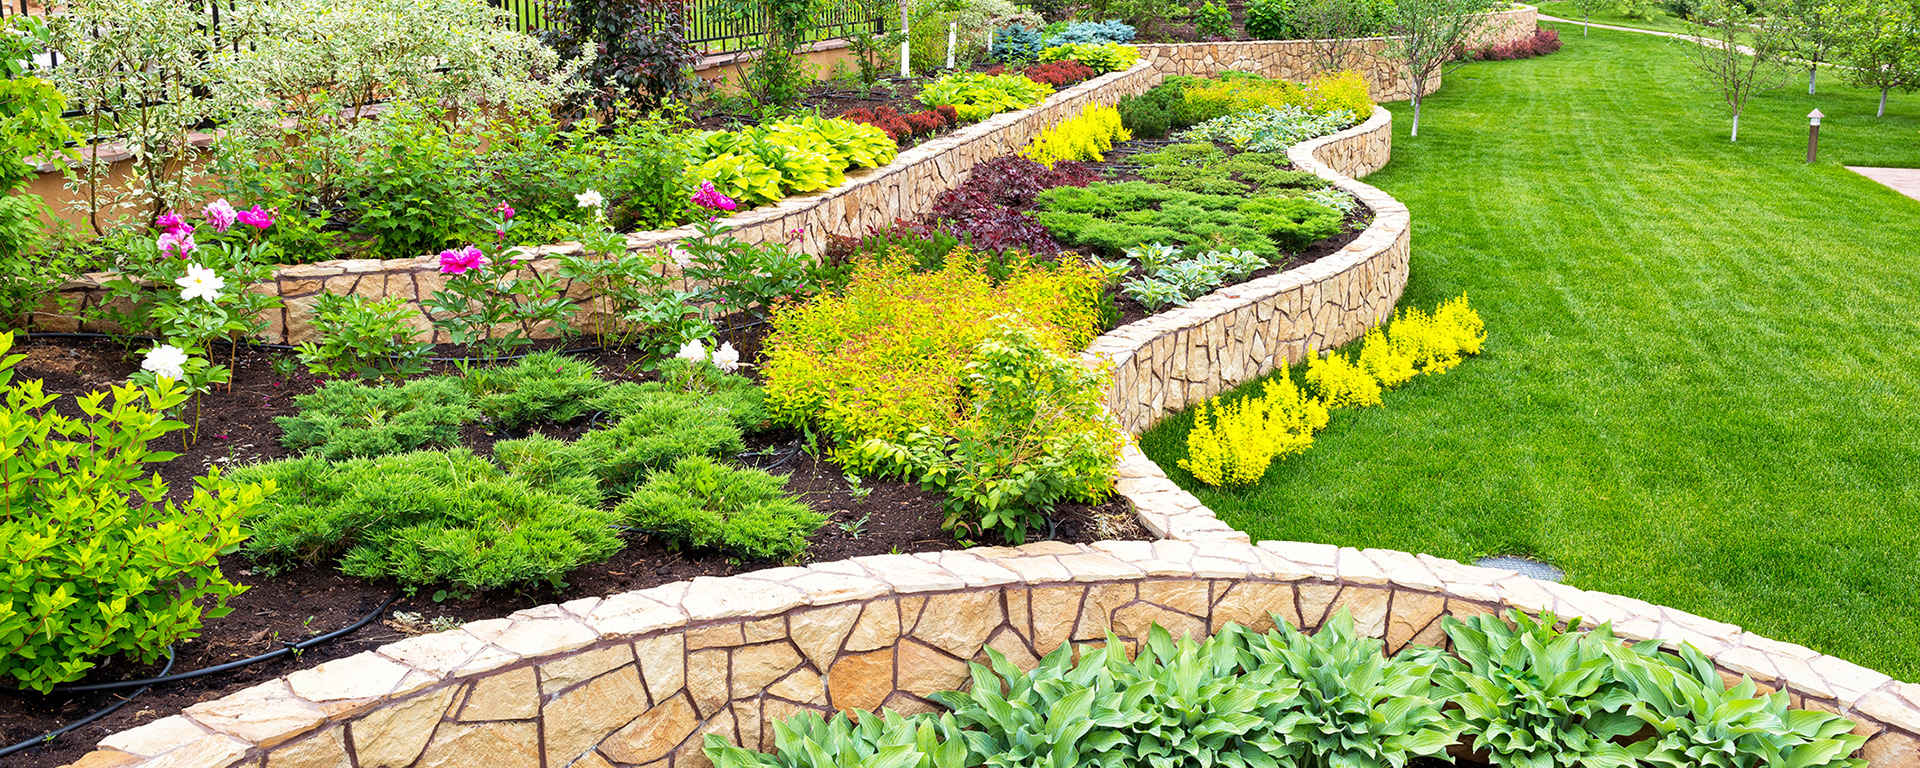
(888, 354)
(1236, 437)
(1100, 57)
(490, 304)
(1086, 136)
(1540, 43)
(976, 96)
(99, 562)
(1234, 441)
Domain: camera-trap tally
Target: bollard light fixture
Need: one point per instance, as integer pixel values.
(1813, 134)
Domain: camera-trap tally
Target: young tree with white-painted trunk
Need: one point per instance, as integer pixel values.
(1740, 53)
(1817, 33)
(1427, 34)
(1882, 46)
(1590, 7)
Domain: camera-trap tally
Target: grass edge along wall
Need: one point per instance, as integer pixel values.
(874, 197)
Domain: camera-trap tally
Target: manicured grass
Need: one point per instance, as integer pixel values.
(1660, 20)
(1702, 380)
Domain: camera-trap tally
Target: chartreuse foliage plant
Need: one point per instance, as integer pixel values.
(700, 504)
(1234, 441)
(98, 561)
(763, 164)
(975, 96)
(1232, 92)
(1235, 437)
(427, 518)
(1100, 57)
(1086, 136)
(346, 419)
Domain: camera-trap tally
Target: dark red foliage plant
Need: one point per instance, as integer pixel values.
(989, 209)
(1059, 74)
(1541, 43)
(901, 127)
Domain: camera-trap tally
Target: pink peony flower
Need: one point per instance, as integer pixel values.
(458, 261)
(171, 222)
(177, 243)
(221, 215)
(256, 218)
(708, 197)
(505, 211)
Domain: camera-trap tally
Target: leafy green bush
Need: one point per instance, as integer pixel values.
(543, 386)
(1118, 217)
(348, 419)
(887, 741)
(1532, 695)
(975, 96)
(762, 164)
(1034, 433)
(554, 465)
(699, 504)
(1271, 129)
(99, 563)
(425, 518)
(365, 338)
(655, 435)
(1698, 721)
(741, 400)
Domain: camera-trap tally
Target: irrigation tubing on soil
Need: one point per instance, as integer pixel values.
(166, 677)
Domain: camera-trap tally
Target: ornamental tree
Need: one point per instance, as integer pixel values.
(1426, 34)
(1742, 53)
(1881, 46)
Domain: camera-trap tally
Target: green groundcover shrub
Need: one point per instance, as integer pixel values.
(98, 562)
(426, 518)
(700, 504)
(1115, 217)
(1528, 693)
(347, 419)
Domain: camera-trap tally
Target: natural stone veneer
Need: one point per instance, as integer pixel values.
(638, 679)
(905, 188)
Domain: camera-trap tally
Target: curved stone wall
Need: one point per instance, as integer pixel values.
(638, 679)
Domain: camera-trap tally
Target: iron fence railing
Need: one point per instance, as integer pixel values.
(711, 30)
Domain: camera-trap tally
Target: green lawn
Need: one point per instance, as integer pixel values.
(1661, 20)
(1702, 380)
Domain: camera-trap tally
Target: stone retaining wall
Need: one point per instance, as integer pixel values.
(639, 679)
(905, 188)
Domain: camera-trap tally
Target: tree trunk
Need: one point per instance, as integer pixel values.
(1883, 103)
(1416, 113)
(1813, 75)
(1586, 21)
(1736, 127)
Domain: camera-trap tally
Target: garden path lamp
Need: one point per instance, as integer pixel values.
(1813, 134)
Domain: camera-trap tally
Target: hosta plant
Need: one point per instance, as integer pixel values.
(1188, 704)
(1699, 722)
(1533, 696)
(976, 97)
(886, 741)
(1357, 707)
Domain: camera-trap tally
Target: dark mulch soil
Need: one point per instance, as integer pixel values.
(237, 428)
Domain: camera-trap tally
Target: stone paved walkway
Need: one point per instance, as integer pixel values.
(1905, 181)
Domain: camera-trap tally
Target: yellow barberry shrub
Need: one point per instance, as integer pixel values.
(1388, 364)
(1462, 325)
(1086, 136)
(1340, 382)
(1342, 90)
(1232, 444)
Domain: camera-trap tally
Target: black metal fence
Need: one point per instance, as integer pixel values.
(711, 30)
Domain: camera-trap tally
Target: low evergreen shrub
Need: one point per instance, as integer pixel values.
(347, 419)
(543, 386)
(700, 504)
(427, 518)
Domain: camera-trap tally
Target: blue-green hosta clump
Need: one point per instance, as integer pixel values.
(1699, 722)
(1534, 696)
(1271, 129)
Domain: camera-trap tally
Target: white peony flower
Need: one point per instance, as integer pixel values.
(166, 361)
(727, 358)
(590, 199)
(693, 351)
(200, 283)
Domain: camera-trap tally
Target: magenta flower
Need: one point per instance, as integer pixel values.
(221, 215)
(458, 261)
(171, 222)
(708, 197)
(177, 243)
(505, 211)
(256, 218)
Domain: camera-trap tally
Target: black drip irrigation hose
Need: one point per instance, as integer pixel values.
(48, 737)
(166, 677)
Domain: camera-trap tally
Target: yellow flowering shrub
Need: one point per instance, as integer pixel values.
(1086, 136)
(1233, 443)
(1238, 92)
(1342, 90)
(889, 354)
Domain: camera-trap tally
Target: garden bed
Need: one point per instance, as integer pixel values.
(237, 428)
